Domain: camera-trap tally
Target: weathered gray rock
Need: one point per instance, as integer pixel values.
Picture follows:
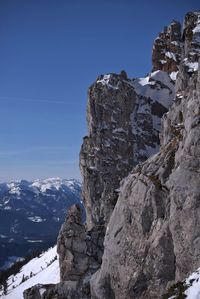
(191, 36)
(166, 53)
(71, 246)
(190, 51)
(80, 254)
(124, 119)
(63, 290)
(77, 255)
(123, 122)
(152, 238)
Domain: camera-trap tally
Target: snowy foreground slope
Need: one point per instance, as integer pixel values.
(193, 292)
(43, 269)
(188, 289)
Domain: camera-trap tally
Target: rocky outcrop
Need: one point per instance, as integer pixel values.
(63, 290)
(107, 153)
(190, 52)
(152, 238)
(124, 118)
(123, 122)
(80, 252)
(166, 54)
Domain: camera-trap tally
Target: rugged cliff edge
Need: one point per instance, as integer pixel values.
(153, 238)
(123, 122)
(152, 229)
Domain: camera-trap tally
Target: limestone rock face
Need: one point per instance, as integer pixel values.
(123, 122)
(63, 290)
(166, 53)
(152, 238)
(124, 118)
(191, 36)
(107, 153)
(190, 51)
(71, 246)
(80, 252)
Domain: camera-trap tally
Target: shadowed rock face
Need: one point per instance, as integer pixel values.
(78, 257)
(107, 153)
(63, 290)
(152, 238)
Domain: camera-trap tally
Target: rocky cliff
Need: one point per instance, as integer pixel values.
(148, 212)
(123, 118)
(152, 238)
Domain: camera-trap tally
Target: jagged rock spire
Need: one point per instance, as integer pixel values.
(166, 53)
(123, 118)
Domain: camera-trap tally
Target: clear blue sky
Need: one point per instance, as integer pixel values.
(50, 52)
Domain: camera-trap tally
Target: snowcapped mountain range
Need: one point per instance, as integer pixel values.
(31, 214)
(39, 186)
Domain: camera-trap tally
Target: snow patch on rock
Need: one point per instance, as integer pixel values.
(158, 86)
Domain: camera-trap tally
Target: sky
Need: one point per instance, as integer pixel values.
(51, 51)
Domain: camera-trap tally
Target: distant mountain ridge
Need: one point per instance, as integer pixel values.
(31, 214)
(39, 185)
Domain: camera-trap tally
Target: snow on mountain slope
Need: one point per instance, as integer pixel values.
(16, 187)
(193, 281)
(157, 86)
(188, 288)
(43, 269)
(54, 183)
